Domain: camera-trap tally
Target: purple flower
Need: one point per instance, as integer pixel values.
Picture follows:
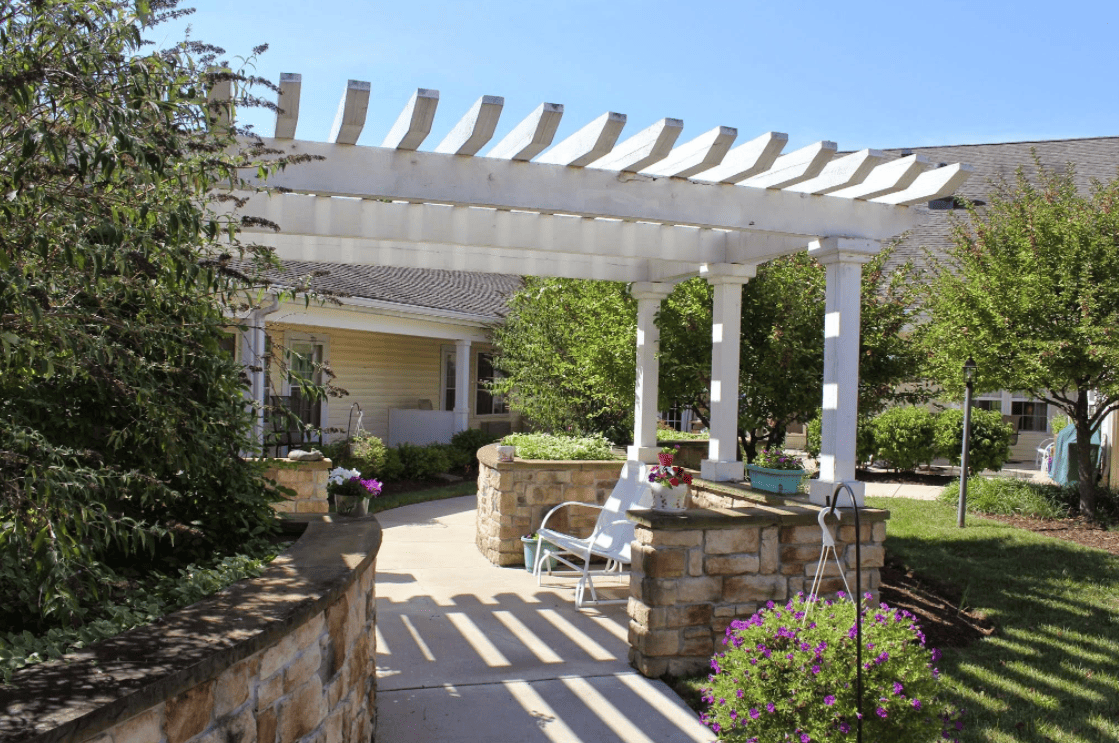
(829, 700)
(754, 714)
(916, 704)
(770, 707)
(898, 688)
(881, 713)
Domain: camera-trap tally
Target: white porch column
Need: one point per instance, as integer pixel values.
(843, 259)
(722, 461)
(648, 296)
(462, 385)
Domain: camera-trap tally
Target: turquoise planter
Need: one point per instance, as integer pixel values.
(774, 481)
(530, 546)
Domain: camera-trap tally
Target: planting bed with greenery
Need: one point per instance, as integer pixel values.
(565, 448)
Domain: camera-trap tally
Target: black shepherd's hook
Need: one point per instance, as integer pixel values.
(858, 602)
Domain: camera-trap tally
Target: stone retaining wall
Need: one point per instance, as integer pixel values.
(284, 658)
(307, 479)
(694, 573)
(513, 498)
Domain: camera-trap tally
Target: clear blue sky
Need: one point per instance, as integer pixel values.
(864, 74)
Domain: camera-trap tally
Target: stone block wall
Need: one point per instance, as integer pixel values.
(284, 658)
(307, 479)
(513, 498)
(694, 573)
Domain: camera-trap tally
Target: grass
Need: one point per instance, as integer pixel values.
(384, 503)
(1051, 671)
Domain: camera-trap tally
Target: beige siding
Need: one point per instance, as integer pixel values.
(378, 370)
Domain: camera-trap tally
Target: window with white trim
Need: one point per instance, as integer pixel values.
(485, 401)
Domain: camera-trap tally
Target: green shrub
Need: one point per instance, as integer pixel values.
(465, 446)
(1059, 423)
(669, 434)
(421, 462)
(393, 469)
(989, 447)
(368, 454)
(1010, 497)
(785, 678)
(903, 436)
(551, 446)
(864, 435)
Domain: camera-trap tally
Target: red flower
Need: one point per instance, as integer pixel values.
(674, 481)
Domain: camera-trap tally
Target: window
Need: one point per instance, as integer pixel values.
(305, 360)
(995, 405)
(486, 402)
(228, 343)
(1032, 415)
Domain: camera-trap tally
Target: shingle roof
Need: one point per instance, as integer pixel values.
(1095, 158)
(482, 294)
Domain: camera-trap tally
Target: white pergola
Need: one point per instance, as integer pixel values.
(595, 206)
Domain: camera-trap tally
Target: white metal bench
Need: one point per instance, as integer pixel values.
(610, 539)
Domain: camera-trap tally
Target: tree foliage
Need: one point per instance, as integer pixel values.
(567, 352)
(1028, 290)
(567, 348)
(121, 419)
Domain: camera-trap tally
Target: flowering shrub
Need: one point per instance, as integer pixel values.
(671, 476)
(786, 676)
(776, 459)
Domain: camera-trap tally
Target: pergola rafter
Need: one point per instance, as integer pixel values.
(598, 206)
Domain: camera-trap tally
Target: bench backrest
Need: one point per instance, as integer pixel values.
(613, 532)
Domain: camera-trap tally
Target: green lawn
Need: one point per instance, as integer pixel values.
(1051, 670)
(384, 503)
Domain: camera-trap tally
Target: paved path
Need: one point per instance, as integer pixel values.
(471, 652)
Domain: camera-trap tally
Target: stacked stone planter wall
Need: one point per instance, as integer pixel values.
(694, 573)
(287, 657)
(307, 479)
(513, 498)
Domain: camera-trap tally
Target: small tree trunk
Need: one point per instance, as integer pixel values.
(1086, 465)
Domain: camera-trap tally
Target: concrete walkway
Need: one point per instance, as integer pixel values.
(467, 651)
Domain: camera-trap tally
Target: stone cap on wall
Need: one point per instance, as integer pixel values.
(759, 514)
(94, 688)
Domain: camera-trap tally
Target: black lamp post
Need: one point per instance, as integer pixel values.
(969, 381)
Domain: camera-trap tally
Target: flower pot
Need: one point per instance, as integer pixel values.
(530, 545)
(774, 481)
(506, 453)
(667, 498)
(351, 505)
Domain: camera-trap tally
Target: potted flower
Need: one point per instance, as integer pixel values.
(670, 487)
(775, 471)
(667, 454)
(351, 492)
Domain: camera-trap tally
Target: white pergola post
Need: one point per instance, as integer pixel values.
(722, 463)
(843, 259)
(648, 296)
(462, 385)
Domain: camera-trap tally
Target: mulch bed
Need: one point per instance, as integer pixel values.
(1076, 530)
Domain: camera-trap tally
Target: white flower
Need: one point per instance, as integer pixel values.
(339, 475)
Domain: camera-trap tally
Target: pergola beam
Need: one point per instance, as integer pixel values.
(414, 123)
(380, 173)
(475, 129)
(588, 144)
(288, 104)
(642, 149)
(350, 119)
(530, 137)
(702, 153)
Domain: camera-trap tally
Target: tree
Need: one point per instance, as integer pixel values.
(567, 351)
(1028, 290)
(567, 348)
(121, 418)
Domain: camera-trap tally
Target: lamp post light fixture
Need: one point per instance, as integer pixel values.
(969, 382)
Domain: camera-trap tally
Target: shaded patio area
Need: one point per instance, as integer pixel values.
(467, 651)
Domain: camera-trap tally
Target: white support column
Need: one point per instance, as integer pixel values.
(648, 296)
(722, 463)
(462, 385)
(843, 259)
